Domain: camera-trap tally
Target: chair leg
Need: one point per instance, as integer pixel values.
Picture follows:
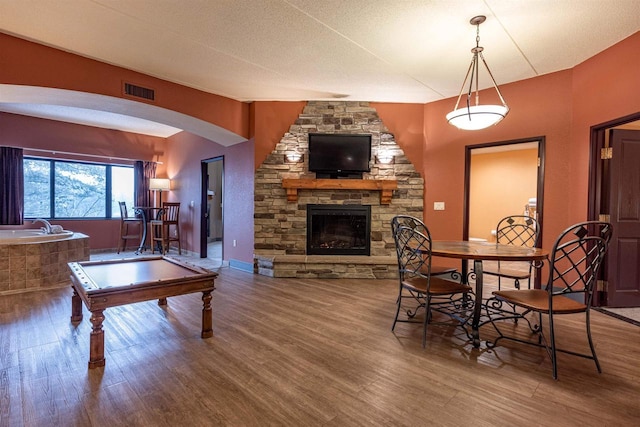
(427, 312)
(540, 328)
(398, 304)
(165, 240)
(122, 243)
(593, 350)
(554, 356)
(126, 233)
(154, 230)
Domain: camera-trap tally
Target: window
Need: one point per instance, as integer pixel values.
(121, 188)
(37, 184)
(79, 190)
(64, 189)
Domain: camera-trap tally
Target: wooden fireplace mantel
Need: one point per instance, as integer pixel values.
(385, 186)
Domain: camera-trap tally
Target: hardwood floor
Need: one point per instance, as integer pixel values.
(300, 353)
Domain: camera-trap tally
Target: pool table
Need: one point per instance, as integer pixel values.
(104, 284)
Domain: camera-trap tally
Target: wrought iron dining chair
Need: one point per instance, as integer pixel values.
(127, 222)
(519, 230)
(575, 261)
(419, 289)
(417, 224)
(161, 228)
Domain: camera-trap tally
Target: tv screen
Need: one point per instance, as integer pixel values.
(339, 153)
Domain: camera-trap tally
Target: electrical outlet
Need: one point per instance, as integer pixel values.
(438, 206)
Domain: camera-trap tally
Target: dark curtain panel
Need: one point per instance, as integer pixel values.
(143, 171)
(11, 186)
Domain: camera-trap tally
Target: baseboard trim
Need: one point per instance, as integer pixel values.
(241, 265)
(604, 310)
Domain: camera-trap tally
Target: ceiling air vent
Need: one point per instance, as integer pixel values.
(139, 92)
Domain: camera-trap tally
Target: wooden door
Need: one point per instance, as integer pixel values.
(623, 272)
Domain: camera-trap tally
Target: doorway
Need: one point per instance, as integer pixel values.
(212, 220)
(614, 196)
(501, 179)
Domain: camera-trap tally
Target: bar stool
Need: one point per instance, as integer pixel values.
(125, 223)
(161, 229)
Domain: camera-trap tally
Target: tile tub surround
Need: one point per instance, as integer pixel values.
(36, 266)
(280, 226)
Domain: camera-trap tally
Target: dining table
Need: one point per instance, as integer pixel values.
(479, 251)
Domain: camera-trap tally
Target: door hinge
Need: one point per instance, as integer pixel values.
(604, 217)
(602, 286)
(538, 161)
(606, 153)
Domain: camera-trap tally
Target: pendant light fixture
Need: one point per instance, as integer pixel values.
(477, 116)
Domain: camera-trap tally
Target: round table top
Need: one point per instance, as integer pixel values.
(464, 249)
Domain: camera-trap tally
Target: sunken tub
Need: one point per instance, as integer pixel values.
(31, 260)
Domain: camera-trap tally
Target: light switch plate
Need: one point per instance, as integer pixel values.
(438, 206)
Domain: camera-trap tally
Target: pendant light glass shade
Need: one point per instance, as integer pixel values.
(478, 116)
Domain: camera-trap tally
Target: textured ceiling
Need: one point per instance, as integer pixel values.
(372, 50)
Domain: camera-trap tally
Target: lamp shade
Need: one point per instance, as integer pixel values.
(477, 116)
(161, 184)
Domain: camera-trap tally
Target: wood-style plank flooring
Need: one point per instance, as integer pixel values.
(299, 353)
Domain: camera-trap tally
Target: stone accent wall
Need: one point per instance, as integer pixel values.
(280, 226)
(37, 266)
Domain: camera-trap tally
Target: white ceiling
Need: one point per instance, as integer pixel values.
(414, 51)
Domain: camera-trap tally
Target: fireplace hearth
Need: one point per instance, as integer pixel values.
(338, 230)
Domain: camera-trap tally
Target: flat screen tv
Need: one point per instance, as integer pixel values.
(339, 154)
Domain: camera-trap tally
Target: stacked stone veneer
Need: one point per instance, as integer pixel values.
(280, 226)
(36, 266)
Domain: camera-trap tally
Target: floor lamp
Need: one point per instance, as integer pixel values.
(160, 184)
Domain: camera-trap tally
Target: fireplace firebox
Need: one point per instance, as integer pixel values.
(338, 230)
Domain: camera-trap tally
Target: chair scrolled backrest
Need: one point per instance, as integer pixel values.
(576, 258)
(518, 230)
(408, 221)
(413, 248)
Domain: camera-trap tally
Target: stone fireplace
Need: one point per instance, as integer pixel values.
(338, 230)
(284, 190)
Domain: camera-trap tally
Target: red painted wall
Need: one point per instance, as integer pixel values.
(605, 87)
(31, 132)
(185, 152)
(406, 122)
(270, 120)
(538, 107)
(38, 65)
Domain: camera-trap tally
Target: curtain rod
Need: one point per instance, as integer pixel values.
(81, 154)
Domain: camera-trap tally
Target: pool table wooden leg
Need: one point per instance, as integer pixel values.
(96, 343)
(76, 307)
(207, 322)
